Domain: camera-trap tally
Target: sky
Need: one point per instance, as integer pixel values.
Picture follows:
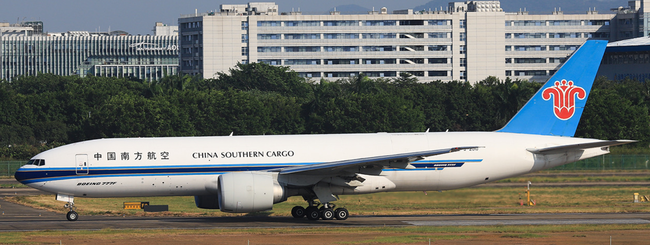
(139, 16)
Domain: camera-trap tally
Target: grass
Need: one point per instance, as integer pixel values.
(385, 235)
(13, 186)
(485, 200)
(582, 179)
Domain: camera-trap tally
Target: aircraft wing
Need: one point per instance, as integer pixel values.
(401, 160)
(563, 148)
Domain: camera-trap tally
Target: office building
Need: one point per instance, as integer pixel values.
(81, 53)
(466, 41)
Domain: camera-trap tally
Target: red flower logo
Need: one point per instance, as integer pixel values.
(564, 95)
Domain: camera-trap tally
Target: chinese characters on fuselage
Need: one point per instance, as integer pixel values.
(125, 156)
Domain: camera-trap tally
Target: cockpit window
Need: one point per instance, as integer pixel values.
(37, 162)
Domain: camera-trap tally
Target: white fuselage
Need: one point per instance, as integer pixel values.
(189, 166)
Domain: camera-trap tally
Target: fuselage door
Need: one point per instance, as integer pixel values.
(81, 161)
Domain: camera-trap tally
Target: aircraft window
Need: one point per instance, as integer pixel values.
(36, 162)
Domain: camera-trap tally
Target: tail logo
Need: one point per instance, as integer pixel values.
(564, 94)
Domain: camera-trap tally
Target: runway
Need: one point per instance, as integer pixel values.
(21, 218)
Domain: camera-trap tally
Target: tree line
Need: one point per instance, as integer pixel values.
(40, 112)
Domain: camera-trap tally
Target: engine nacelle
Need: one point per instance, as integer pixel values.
(245, 192)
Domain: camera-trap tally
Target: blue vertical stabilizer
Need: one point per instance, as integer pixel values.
(556, 108)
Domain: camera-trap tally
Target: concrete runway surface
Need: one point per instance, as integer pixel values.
(21, 218)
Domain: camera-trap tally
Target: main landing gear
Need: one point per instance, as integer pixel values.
(326, 212)
(71, 215)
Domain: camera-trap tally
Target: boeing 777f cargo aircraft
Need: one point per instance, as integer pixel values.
(242, 174)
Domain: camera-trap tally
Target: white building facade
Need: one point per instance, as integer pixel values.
(468, 41)
(81, 53)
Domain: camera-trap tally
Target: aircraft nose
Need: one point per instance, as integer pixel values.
(21, 175)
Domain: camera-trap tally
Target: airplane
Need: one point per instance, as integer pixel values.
(243, 174)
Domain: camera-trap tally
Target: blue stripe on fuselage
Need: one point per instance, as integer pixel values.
(33, 175)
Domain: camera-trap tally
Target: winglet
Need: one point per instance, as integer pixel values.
(556, 108)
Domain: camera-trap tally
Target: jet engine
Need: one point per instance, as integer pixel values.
(245, 192)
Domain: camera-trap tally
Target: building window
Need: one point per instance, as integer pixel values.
(380, 73)
(341, 74)
(411, 22)
(531, 73)
(439, 22)
(301, 62)
(411, 48)
(437, 73)
(268, 49)
(564, 22)
(529, 35)
(530, 60)
(341, 36)
(341, 48)
(463, 49)
(244, 38)
(268, 23)
(463, 23)
(302, 23)
(309, 74)
(411, 35)
(529, 23)
(268, 36)
(244, 25)
(378, 48)
(463, 36)
(379, 61)
(270, 62)
(302, 49)
(244, 51)
(379, 23)
(439, 35)
(563, 47)
(341, 61)
(597, 22)
(379, 35)
(463, 75)
(411, 61)
(341, 23)
(530, 48)
(463, 62)
(437, 60)
(438, 48)
(302, 36)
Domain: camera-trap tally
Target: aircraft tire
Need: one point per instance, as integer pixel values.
(312, 213)
(298, 212)
(327, 214)
(341, 214)
(72, 216)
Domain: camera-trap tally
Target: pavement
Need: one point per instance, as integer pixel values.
(16, 217)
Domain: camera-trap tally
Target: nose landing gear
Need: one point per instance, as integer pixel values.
(71, 215)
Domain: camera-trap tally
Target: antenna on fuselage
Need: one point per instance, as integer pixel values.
(231, 133)
(427, 130)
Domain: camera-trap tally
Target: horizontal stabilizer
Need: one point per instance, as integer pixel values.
(581, 146)
(334, 167)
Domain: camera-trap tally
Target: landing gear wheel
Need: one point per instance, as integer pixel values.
(341, 214)
(327, 214)
(313, 213)
(298, 212)
(72, 216)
